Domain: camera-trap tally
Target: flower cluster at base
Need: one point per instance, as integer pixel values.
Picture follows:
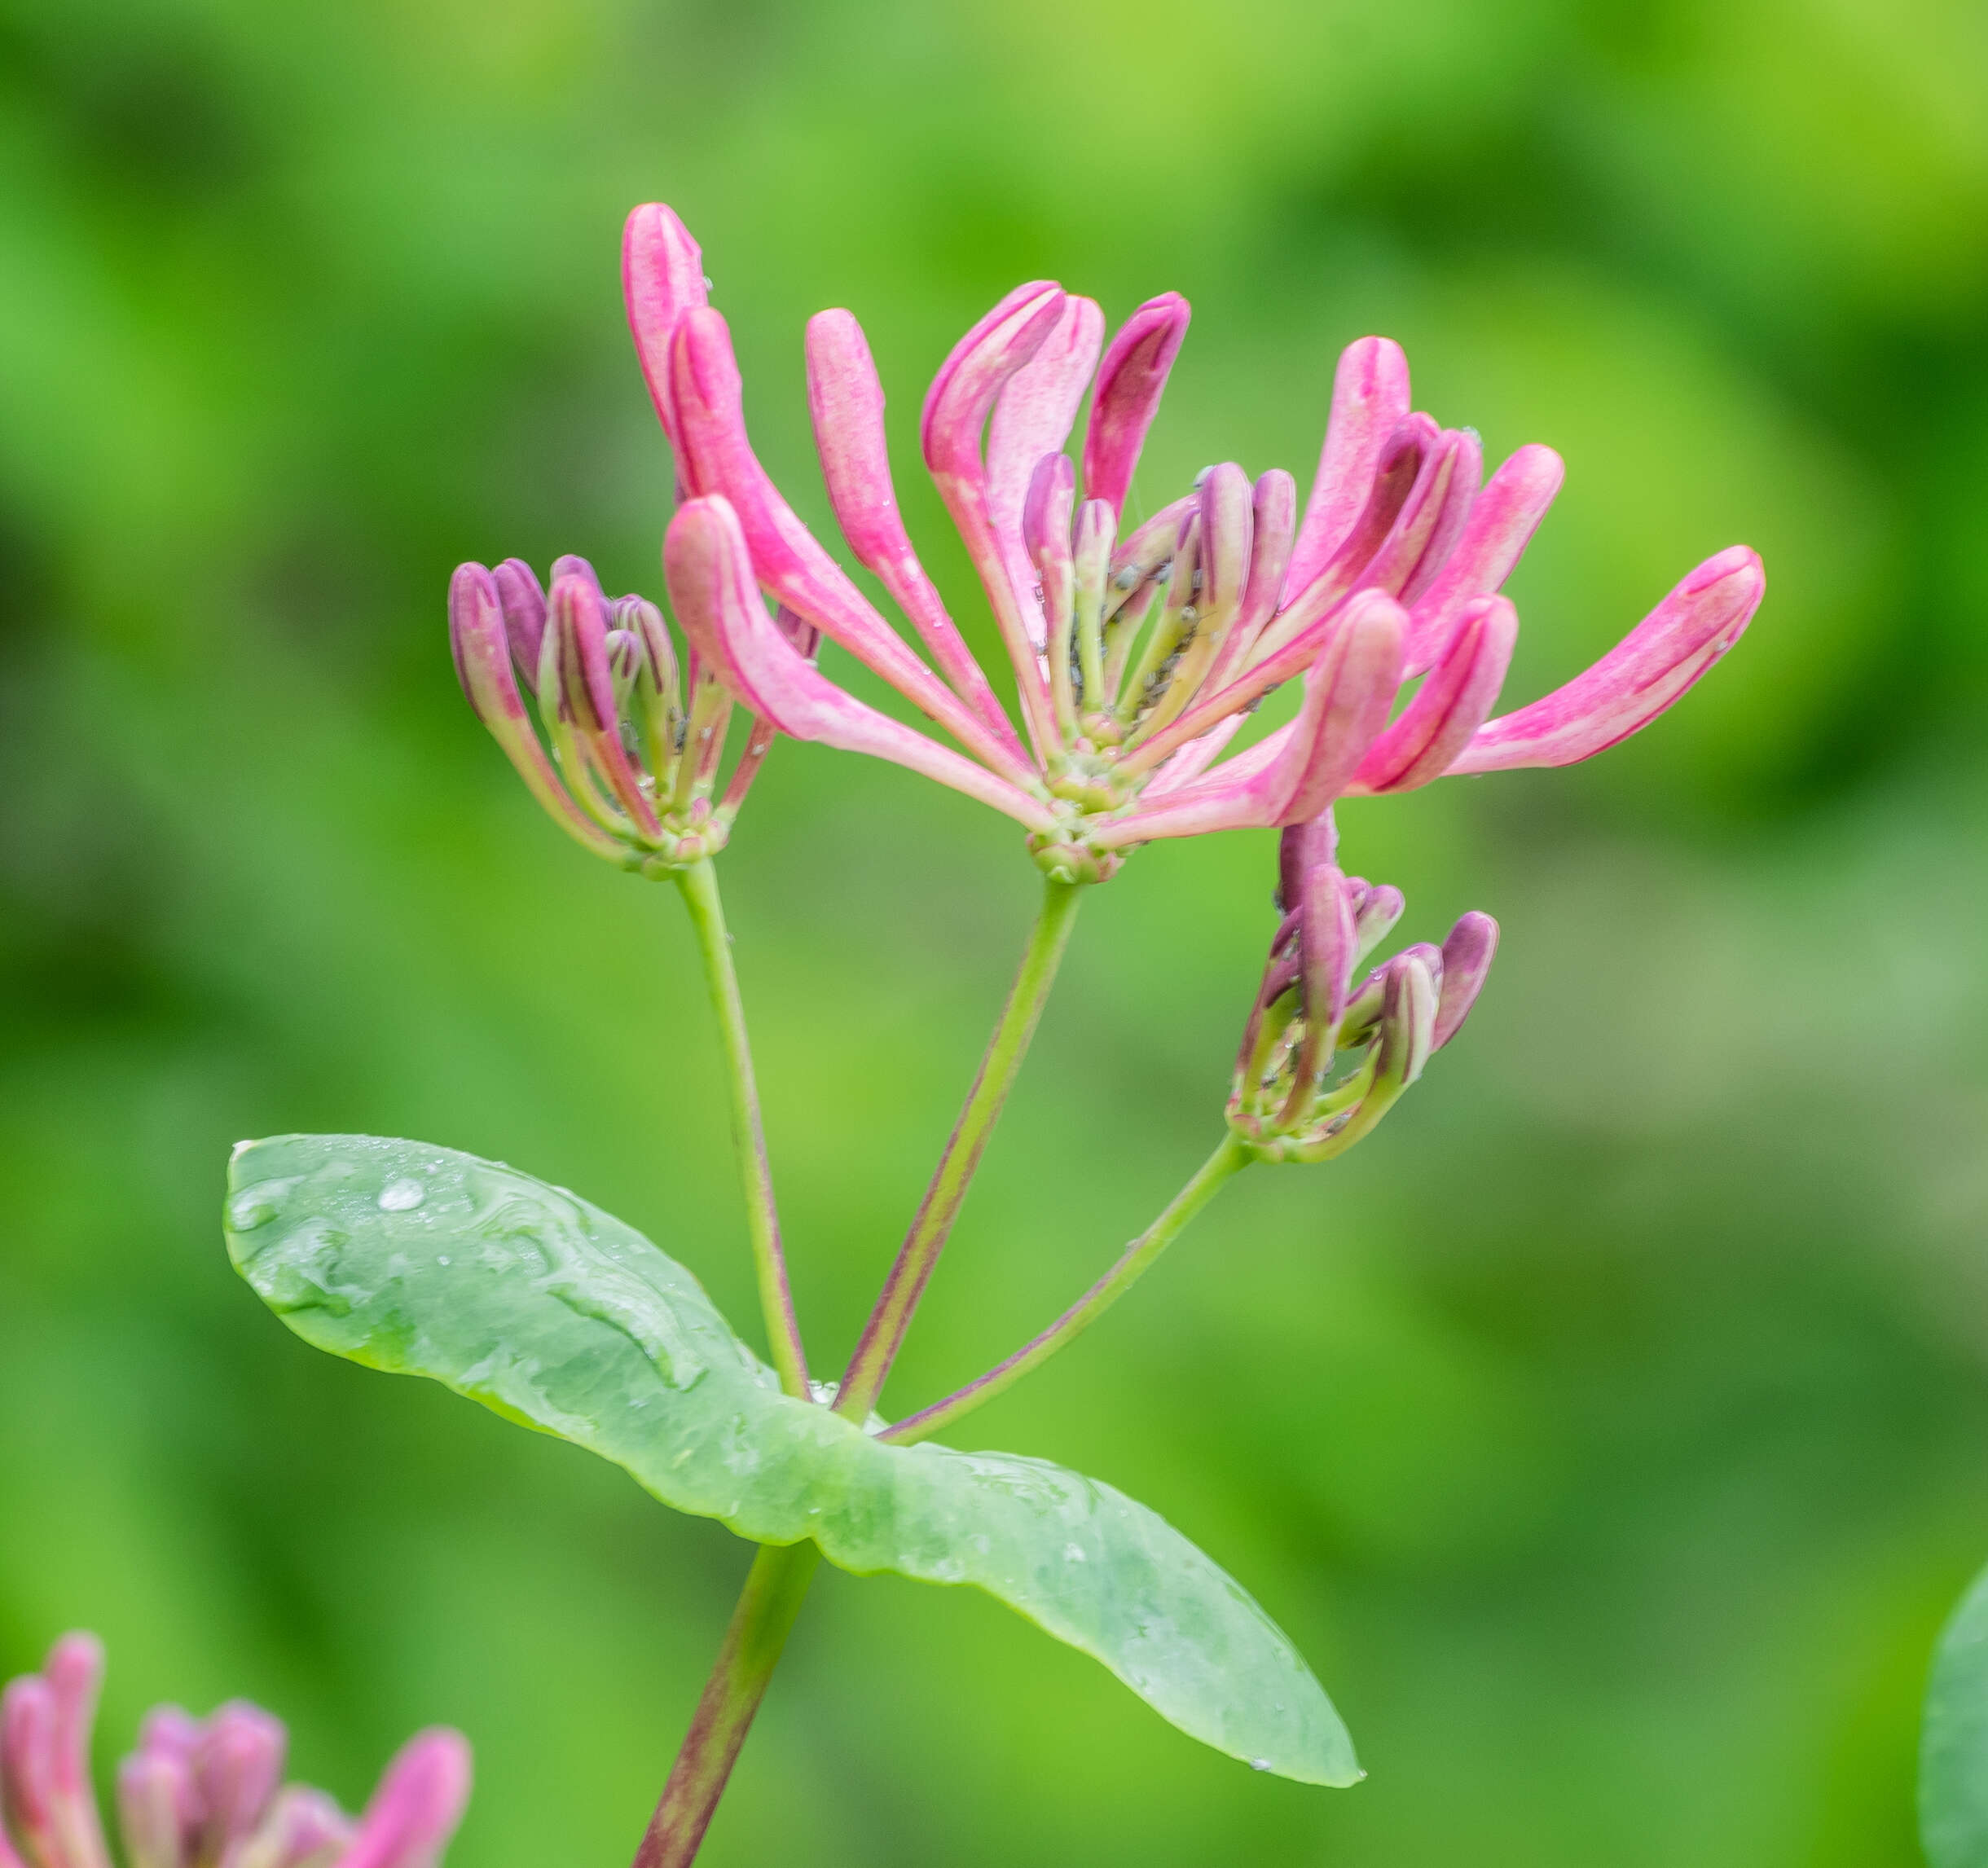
(1284, 1105)
(202, 1793)
(637, 739)
(1138, 653)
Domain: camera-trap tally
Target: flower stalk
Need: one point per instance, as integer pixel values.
(698, 884)
(883, 1334)
(1231, 1156)
(775, 1588)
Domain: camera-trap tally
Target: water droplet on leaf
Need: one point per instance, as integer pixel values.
(246, 1212)
(401, 1196)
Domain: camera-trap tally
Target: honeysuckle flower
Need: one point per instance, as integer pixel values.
(1284, 1103)
(636, 739)
(202, 1793)
(1136, 655)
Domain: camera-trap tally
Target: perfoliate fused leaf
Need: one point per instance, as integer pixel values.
(422, 1261)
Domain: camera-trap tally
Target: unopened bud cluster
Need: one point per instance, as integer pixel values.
(202, 1793)
(1293, 1098)
(636, 736)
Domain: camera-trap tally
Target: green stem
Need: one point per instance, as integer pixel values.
(884, 1333)
(699, 884)
(760, 1625)
(1228, 1160)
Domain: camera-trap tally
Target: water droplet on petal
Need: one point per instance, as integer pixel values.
(401, 1196)
(1259, 1764)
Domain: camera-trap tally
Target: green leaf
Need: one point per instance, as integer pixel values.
(1953, 1748)
(422, 1261)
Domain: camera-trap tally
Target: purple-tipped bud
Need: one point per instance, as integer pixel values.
(579, 681)
(1325, 937)
(1131, 379)
(482, 651)
(1467, 955)
(522, 600)
(237, 1770)
(1379, 910)
(417, 1806)
(1407, 1038)
(582, 685)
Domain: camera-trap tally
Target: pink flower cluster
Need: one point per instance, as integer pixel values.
(1136, 655)
(202, 1793)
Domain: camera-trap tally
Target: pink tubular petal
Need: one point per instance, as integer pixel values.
(846, 398)
(662, 277)
(1400, 555)
(1228, 540)
(1656, 663)
(1376, 549)
(1130, 382)
(1274, 509)
(415, 1810)
(152, 1792)
(957, 407)
(787, 560)
(27, 1763)
(1467, 955)
(1454, 701)
(708, 568)
(1370, 401)
(1291, 640)
(1500, 524)
(74, 1671)
(237, 1770)
(1295, 774)
(1466, 477)
(1032, 417)
(482, 651)
(1184, 767)
(1360, 673)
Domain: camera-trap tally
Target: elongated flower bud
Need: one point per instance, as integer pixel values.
(1285, 1103)
(1131, 380)
(203, 1793)
(1467, 955)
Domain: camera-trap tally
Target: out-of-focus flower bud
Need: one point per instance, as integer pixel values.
(624, 760)
(202, 1793)
(1292, 1099)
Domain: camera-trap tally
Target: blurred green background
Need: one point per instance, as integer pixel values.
(1608, 1430)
